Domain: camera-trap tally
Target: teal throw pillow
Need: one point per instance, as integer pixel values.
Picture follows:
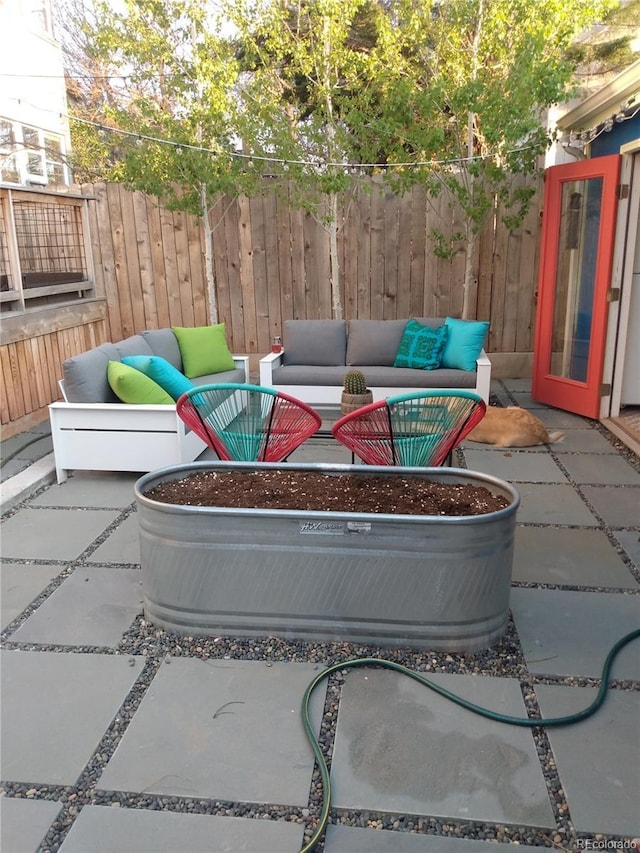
(421, 346)
(203, 350)
(132, 386)
(464, 344)
(162, 372)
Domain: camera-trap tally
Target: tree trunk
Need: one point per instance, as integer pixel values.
(469, 281)
(334, 260)
(208, 256)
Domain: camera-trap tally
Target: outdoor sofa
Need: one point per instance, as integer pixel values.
(317, 353)
(92, 429)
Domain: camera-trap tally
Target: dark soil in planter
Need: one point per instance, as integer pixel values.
(302, 490)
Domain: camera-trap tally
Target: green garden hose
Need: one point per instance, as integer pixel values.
(528, 722)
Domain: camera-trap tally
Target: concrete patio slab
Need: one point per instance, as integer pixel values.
(516, 466)
(20, 583)
(555, 504)
(570, 633)
(600, 470)
(523, 398)
(92, 607)
(90, 489)
(69, 700)
(401, 747)
(569, 557)
(349, 839)
(618, 507)
(121, 546)
(321, 450)
(219, 729)
(515, 383)
(630, 541)
(584, 441)
(52, 534)
(598, 759)
(101, 829)
(24, 823)
(557, 419)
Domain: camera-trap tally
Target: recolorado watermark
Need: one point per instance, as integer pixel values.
(607, 844)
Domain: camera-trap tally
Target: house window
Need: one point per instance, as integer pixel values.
(44, 250)
(29, 155)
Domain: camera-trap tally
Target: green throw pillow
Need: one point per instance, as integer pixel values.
(464, 344)
(203, 350)
(132, 386)
(162, 372)
(421, 346)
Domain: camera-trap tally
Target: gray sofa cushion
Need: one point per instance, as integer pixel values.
(409, 377)
(135, 345)
(374, 341)
(376, 376)
(315, 342)
(378, 341)
(235, 375)
(85, 375)
(164, 343)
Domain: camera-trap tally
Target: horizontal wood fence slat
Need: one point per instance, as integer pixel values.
(272, 263)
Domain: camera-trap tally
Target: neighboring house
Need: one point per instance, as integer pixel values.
(34, 130)
(587, 352)
(48, 299)
(44, 260)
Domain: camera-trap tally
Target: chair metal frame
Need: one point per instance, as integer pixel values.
(417, 429)
(249, 423)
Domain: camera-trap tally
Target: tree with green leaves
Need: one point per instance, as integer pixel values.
(304, 64)
(462, 106)
(448, 93)
(170, 90)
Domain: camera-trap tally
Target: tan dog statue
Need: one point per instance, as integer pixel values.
(512, 427)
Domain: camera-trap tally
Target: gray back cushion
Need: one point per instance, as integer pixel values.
(164, 343)
(377, 341)
(317, 342)
(85, 376)
(135, 345)
(374, 341)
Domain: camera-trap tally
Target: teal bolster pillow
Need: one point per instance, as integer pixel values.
(162, 372)
(132, 386)
(421, 346)
(464, 343)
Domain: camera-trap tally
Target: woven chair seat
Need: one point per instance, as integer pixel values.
(417, 429)
(247, 423)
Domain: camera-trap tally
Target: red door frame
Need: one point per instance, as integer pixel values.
(583, 398)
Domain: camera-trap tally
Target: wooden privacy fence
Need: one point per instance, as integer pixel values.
(147, 270)
(272, 264)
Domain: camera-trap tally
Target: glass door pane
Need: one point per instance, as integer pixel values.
(581, 208)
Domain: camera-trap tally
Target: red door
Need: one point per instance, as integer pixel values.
(578, 230)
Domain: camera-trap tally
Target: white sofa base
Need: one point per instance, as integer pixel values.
(119, 437)
(329, 395)
(122, 437)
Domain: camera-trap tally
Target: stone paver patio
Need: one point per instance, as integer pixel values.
(116, 736)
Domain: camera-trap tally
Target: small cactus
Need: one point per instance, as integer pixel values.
(355, 383)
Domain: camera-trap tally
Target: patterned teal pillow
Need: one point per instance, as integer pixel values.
(421, 346)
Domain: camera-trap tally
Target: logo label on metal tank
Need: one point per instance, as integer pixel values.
(331, 528)
(335, 528)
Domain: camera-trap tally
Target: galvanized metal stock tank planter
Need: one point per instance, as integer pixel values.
(437, 582)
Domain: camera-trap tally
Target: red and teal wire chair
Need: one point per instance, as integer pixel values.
(247, 423)
(417, 429)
